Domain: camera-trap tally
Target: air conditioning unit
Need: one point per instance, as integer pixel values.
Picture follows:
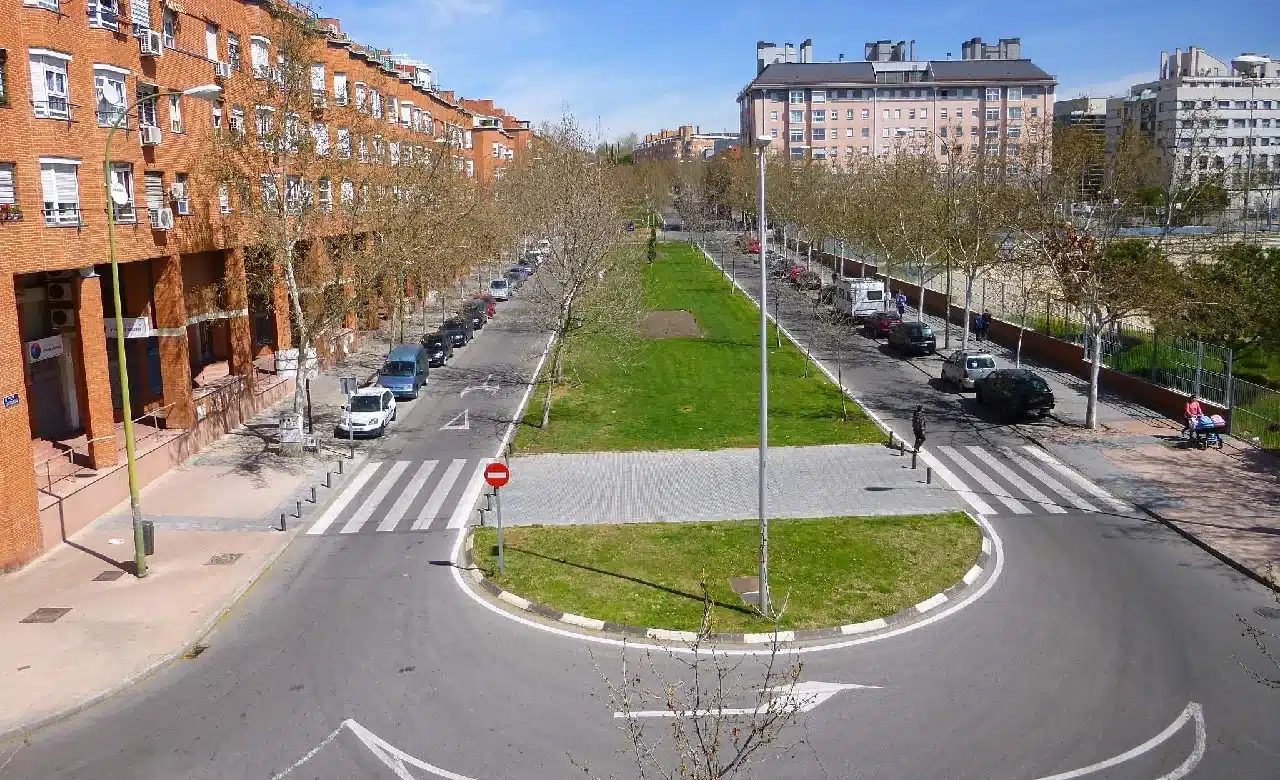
(150, 135)
(161, 219)
(222, 70)
(151, 44)
(62, 317)
(184, 207)
(59, 292)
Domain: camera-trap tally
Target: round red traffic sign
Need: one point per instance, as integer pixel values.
(497, 474)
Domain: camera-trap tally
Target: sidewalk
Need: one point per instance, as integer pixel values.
(76, 625)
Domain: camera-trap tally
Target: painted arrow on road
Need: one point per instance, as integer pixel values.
(803, 696)
(491, 389)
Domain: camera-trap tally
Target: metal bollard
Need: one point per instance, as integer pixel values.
(299, 509)
(891, 438)
(353, 452)
(339, 467)
(928, 476)
(902, 447)
(313, 494)
(913, 458)
(328, 479)
(283, 525)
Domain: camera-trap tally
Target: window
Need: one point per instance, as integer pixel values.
(993, 94)
(1238, 123)
(797, 136)
(108, 81)
(819, 154)
(49, 94)
(295, 195)
(210, 40)
(375, 99)
(181, 194)
(897, 113)
(224, 198)
(993, 114)
(819, 134)
(911, 114)
(175, 113)
(797, 154)
(886, 114)
(4, 82)
(1241, 104)
(153, 186)
(320, 137)
(820, 115)
(104, 14)
(144, 96)
(170, 23)
(848, 132)
(363, 150)
(773, 116)
(797, 117)
(818, 96)
(360, 95)
(1015, 93)
(393, 110)
(324, 192)
(942, 131)
(340, 89)
(8, 192)
(1015, 113)
(270, 192)
(217, 115)
(1035, 111)
(797, 96)
(884, 132)
(848, 114)
(348, 192)
(973, 130)
(1014, 132)
(866, 132)
(924, 113)
(773, 133)
(992, 131)
(264, 123)
(237, 120)
(260, 56)
(394, 146)
(866, 113)
(61, 191)
(292, 132)
(140, 16)
(233, 49)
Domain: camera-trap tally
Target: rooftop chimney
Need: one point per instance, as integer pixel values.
(912, 56)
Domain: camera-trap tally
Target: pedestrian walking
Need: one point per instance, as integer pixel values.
(980, 327)
(902, 303)
(918, 426)
(986, 323)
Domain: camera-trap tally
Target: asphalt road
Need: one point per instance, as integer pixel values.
(1097, 634)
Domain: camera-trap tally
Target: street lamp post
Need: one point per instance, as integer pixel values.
(208, 92)
(761, 144)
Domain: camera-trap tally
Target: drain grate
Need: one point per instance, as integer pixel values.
(195, 652)
(223, 559)
(109, 576)
(45, 615)
(1268, 612)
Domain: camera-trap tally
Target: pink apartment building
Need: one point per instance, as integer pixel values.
(838, 110)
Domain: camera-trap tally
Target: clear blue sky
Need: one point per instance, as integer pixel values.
(636, 67)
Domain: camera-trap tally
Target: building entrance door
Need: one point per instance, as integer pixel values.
(47, 401)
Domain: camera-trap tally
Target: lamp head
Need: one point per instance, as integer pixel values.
(209, 92)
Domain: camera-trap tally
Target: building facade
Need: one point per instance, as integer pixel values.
(836, 111)
(683, 144)
(68, 69)
(1210, 120)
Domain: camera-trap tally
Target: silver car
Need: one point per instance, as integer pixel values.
(962, 369)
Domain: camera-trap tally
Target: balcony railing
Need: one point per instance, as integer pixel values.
(53, 107)
(112, 117)
(65, 215)
(125, 214)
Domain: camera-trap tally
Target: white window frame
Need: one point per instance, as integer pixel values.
(341, 90)
(105, 79)
(218, 109)
(1015, 94)
(260, 56)
(235, 54)
(796, 97)
(48, 5)
(320, 138)
(175, 114)
(324, 194)
(63, 213)
(8, 184)
(224, 198)
(1015, 113)
(169, 27)
(992, 115)
(104, 14)
(818, 96)
(235, 120)
(993, 94)
(47, 69)
(210, 39)
(344, 143)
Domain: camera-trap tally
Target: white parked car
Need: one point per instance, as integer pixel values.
(500, 289)
(963, 369)
(371, 410)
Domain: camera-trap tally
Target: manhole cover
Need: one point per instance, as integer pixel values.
(1268, 612)
(223, 559)
(109, 576)
(45, 615)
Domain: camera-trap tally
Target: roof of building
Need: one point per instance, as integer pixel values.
(798, 73)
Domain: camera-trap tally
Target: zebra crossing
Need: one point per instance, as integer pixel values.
(390, 496)
(1020, 481)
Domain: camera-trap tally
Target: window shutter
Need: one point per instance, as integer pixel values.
(155, 190)
(140, 13)
(67, 188)
(49, 184)
(317, 76)
(39, 94)
(7, 193)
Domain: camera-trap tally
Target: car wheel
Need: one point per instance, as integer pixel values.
(978, 396)
(396, 411)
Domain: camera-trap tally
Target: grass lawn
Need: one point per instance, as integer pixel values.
(830, 571)
(690, 393)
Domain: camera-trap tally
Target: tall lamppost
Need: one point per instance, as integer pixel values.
(762, 144)
(209, 92)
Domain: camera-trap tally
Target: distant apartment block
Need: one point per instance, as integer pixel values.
(890, 100)
(1210, 119)
(683, 144)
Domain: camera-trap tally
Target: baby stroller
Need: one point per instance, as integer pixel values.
(1205, 430)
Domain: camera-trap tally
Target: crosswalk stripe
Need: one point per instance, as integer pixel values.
(374, 498)
(321, 525)
(410, 492)
(1053, 462)
(987, 482)
(1048, 504)
(439, 495)
(979, 506)
(463, 511)
(1053, 484)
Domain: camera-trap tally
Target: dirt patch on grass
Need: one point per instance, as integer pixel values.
(678, 324)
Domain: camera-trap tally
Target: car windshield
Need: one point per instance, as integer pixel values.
(398, 368)
(366, 403)
(435, 342)
(926, 332)
(980, 362)
(1035, 383)
(498, 284)
(453, 324)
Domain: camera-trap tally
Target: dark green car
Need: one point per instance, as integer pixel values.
(1015, 393)
(913, 338)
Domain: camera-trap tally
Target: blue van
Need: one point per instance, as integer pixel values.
(405, 371)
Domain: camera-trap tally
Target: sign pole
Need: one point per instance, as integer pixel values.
(497, 475)
(497, 501)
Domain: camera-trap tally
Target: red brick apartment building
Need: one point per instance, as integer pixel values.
(195, 333)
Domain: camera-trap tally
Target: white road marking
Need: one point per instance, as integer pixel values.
(802, 696)
(987, 482)
(410, 492)
(483, 386)
(1053, 484)
(463, 513)
(972, 575)
(460, 423)
(439, 494)
(1046, 503)
(331, 514)
(936, 600)
(374, 498)
(1055, 464)
(1193, 711)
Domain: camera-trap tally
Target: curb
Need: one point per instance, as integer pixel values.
(205, 628)
(970, 581)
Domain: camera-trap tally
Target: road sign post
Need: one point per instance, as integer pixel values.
(497, 475)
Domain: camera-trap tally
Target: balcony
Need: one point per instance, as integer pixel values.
(124, 214)
(53, 107)
(319, 98)
(65, 215)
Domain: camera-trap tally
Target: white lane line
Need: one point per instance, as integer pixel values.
(335, 509)
(472, 494)
(375, 497)
(1055, 464)
(987, 482)
(439, 494)
(1052, 483)
(410, 492)
(1048, 504)
(1193, 711)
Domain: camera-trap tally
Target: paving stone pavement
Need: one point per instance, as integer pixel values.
(691, 485)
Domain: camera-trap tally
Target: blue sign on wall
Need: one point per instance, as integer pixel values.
(10, 401)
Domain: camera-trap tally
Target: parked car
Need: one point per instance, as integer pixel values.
(439, 349)
(520, 271)
(879, 323)
(913, 337)
(500, 289)
(753, 247)
(458, 329)
(368, 412)
(475, 310)
(963, 369)
(490, 303)
(807, 280)
(1015, 392)
(405, 371)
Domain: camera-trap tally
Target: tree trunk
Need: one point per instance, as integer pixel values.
(546, 403)
(295, 298)
(1091, 411)
(844, 399)
(920, 302)
(1017, 355)
(968, 303)
(946, 312)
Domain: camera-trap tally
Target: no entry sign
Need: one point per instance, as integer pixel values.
(497, 474)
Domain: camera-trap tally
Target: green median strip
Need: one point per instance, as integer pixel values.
(691, 380)
(828, 571)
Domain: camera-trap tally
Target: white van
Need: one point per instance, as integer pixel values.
(859, 298)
